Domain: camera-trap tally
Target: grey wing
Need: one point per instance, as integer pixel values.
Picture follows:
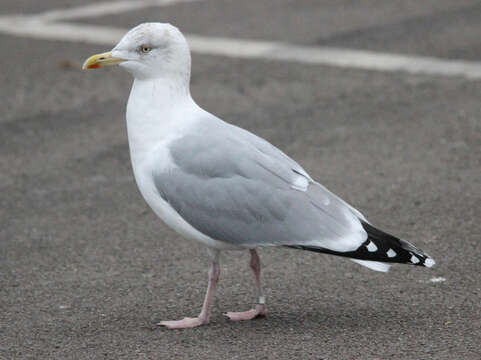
(272, 151)
(234, 190)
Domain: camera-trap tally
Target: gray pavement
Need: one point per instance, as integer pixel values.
(86, 268)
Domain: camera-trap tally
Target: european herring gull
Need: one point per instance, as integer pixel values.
(223, 186)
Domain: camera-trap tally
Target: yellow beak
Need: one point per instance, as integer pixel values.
(101, 60)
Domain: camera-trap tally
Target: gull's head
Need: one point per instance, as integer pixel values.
(149, 50)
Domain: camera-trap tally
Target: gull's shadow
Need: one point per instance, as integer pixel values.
(337, 318)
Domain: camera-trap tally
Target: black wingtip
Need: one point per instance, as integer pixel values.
(395, 249)
(380, 246)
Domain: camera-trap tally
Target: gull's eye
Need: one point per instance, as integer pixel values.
(145, 49)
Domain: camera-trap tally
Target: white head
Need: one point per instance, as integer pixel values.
(148, 51)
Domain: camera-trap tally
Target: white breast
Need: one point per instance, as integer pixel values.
(150, 130)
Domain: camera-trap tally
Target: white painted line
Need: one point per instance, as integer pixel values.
(40, 26)
(348, 58)
(85, 33)
(437, 279)
(99, 9)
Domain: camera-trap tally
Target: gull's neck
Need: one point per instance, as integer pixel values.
(157, 112)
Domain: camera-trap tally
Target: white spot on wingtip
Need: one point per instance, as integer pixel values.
(437, 279)
(429, 262)
(391, 253)
(414, 259)
(371, 247)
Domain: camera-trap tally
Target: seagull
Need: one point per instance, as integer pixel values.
(223, 186)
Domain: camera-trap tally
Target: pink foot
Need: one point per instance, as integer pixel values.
(259, 311)
(184, 323)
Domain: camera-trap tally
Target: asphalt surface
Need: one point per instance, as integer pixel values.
(86, 269)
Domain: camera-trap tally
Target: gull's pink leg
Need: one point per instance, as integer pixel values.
(260, 309)
(204, 315)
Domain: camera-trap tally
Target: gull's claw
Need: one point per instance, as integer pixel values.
(259, 311)
(184, 323)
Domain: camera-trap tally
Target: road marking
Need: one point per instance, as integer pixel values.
(47, 26)
(93, 34)
(99, 9)
(346, 58)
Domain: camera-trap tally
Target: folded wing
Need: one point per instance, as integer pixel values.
(237, 188)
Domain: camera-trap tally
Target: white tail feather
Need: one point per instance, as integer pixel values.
(373, 265)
